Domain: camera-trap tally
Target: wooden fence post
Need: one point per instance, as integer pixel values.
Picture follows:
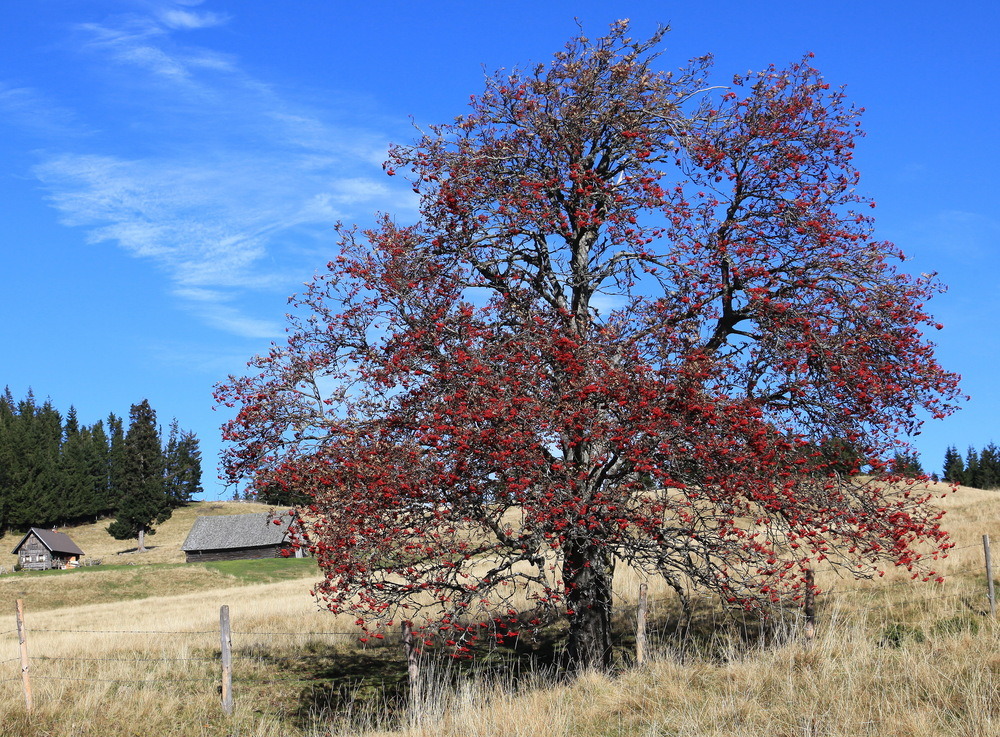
(412, 664)
(809, 606)
(227, 660)
(22, 637)
(989, 576)
(640, 624)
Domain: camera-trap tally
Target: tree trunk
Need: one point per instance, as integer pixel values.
(588, 573)
(142, 541)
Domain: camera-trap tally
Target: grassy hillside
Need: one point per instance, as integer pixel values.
(111, 584)
(125, 575)
(891, 657)
(163, 547)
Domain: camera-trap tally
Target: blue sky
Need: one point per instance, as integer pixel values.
(171, 170)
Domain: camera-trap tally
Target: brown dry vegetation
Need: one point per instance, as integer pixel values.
(891, 657)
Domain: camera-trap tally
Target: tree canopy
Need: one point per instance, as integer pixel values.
(635, 310)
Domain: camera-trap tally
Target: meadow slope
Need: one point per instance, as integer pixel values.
(133, 650)
(162, 547)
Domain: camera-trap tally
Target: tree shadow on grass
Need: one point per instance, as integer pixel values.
(366, 686)
(371, 686)
(135, 551)
(710, 632)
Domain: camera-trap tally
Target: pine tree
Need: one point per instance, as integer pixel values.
(8, 408)
(989, 467)
(276, 494)
(143, 502)
(954, 467)
(183, 466)
(47, 505)
(972, 468)
(907, 464)
(101, 504)
(841, 457)
(19, 504)
(116, 461)
(76, 482)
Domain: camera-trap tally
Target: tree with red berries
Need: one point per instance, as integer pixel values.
(635, 312)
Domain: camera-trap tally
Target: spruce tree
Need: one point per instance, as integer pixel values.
(907, 464)
(954, 467)
(36, 498)
(183, 466)
(85, 455)
(102, 504)
(841, 456)
(971, 476)
(8, 407)
(76, 484)
(116, 461)
(989, 467)
(55, 507)
(54, 472)
(19, 503)
(143, 502)
(276, 494)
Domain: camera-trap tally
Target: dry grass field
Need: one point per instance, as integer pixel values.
(891, 657)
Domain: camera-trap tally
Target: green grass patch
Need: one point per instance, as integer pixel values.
(266, 570)
(896, 635)
(957, 624)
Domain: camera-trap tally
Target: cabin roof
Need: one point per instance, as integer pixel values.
(55, 542)
(224, 532)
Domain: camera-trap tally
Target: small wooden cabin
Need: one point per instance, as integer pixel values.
(40, 550)
(236, 537)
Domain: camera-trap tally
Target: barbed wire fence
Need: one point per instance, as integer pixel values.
(211, 671)
(212, 668)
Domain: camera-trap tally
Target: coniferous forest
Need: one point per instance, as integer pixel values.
(57, 471)
(979, 469)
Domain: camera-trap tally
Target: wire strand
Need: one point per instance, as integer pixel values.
(299, 634)
(42, 658)
(130, 682)
(129, 632)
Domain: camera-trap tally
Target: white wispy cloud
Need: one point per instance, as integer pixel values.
(226, 183)
(31, 110)
(231, 320)
(189, 20)
(206, 223)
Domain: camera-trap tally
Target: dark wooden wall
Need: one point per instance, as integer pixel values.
(33, 548)
(263, 551)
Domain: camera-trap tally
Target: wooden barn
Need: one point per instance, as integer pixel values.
(236, 537)
(40, 550)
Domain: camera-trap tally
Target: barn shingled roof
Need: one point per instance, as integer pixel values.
(56, 542)
(223, 532)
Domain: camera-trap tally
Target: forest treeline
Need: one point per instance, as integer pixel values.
(56, 471)
(979, 469)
